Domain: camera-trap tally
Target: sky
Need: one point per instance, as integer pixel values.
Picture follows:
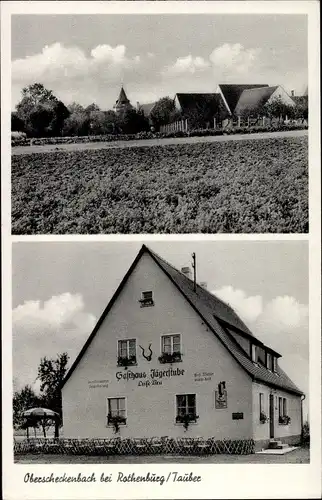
(86, 58)
(60, 289)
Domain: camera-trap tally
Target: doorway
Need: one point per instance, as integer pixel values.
(271, 416)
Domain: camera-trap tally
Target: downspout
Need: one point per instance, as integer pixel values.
(303, 396)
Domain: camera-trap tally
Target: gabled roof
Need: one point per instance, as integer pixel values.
(252, 99)
(232, 92)
(220, 318)
(192, 100)
(147, 108)
(122, 97)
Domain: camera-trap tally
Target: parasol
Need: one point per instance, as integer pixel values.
(41, 414)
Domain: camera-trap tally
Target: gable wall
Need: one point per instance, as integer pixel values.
(282, 94)
(151, 409)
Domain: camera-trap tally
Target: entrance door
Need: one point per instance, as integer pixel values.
(271, 416)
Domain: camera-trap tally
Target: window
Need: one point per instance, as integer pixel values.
(146, 299)
(126, 352)
(116, 411)
(186, 408)
(284, 407)
(274, 364)
(254, 353)
(170, 348)
(261, 397)
(269, 361)
(280, 407)
(261, 355)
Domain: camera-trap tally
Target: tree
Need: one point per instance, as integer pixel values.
(17, 124)
(41, 111)
(163, 112)
(78, 121)
(277, 108)
(51, 373)
(132, 121)
(23, 400)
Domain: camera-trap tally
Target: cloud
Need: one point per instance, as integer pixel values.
(248, 307)
(188, 64)
(45, 329)
(280, 323)
(234, 57)
(57, 61)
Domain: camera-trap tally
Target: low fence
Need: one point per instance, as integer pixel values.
(178, 126)
(140, 446)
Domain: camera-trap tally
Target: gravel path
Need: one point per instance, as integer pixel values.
(18, 150)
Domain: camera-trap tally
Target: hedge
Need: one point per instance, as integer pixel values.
(150, 135)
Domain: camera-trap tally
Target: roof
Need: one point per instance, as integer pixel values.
(233, 92)
(252, 99)
(217, 315)
(147, 108)
(122, 97)
(192, 100)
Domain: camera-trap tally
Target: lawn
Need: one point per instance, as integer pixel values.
(299, 456)
(255, 185)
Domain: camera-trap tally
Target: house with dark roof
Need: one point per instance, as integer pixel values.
(200, 109)
(166, 350)
(243, 99)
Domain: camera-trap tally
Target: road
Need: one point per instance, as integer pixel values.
(18, 150)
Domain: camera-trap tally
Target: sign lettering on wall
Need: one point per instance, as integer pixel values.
(93, 384)
(146, 379)
(203, 376)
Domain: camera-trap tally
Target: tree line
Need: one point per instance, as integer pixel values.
(41, 114)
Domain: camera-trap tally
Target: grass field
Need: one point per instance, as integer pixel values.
(256, 185)
(299, 456)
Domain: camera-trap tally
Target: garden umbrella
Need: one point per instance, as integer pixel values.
(41, 414)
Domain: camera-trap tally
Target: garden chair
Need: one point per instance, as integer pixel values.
(139, 445)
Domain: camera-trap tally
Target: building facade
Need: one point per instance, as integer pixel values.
(167, 358)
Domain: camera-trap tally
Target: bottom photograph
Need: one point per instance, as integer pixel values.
(160, 351)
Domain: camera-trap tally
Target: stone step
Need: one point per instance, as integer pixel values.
(277, 445)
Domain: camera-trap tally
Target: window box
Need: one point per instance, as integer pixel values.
(168, 357)
(186, 420)
(284, 420)
(263, 418)
(125, 361)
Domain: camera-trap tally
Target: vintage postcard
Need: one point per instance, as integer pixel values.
(161, 250)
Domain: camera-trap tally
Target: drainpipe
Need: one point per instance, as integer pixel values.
(303, 396)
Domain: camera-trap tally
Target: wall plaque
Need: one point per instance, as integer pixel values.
(220, 400)
(238, 416)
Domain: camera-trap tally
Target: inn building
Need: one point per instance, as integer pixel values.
(168, 358)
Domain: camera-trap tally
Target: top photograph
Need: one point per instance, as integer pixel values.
(159, 124)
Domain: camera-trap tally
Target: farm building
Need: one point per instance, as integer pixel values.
(167, 354)
(239, 99)
(200, 109)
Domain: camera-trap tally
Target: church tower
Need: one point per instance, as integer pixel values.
(122, 103)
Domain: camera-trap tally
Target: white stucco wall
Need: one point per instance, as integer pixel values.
(151, 410)
(280, 93)
(262, 431)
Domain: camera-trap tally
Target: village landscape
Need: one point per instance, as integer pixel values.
(168, 370)
(232, 161)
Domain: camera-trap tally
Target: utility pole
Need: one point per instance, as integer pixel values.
(194, 270)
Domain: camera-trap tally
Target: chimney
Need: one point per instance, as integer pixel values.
(292, 93)
(137, 105)
(186, 271)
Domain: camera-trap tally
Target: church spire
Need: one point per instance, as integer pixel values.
(122, 103)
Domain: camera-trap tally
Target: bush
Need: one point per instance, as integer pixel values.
(158, 135)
